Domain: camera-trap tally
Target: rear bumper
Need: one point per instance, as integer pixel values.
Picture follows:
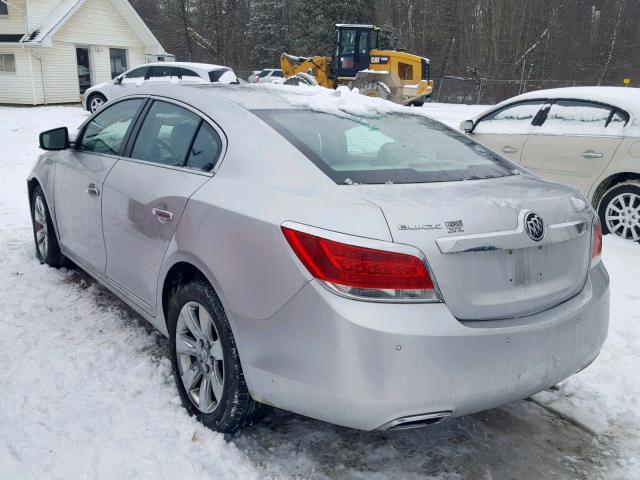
(363, 365)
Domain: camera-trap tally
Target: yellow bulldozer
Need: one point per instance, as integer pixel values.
(356, 62)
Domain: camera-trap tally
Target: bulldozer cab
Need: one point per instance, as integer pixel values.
(351, 49)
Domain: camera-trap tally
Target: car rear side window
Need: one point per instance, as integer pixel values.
(513, 119)
(568, 117)
(185, 72)
(106, 131)
(618, 121)
(387, 148)
(166, 134)
(205, 151)
(222, 75)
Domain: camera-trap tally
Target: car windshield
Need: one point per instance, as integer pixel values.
(388, 148)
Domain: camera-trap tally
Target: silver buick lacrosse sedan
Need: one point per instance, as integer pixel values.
(325, 253)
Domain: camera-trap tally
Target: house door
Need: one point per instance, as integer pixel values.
(83, 60)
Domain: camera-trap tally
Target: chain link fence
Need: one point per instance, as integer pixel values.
(487, 91)
(484, 91)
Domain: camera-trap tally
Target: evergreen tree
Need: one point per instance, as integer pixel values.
(319, 17)
(269, 31)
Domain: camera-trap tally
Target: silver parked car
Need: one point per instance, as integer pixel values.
(370, 268)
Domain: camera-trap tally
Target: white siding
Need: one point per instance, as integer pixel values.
(39, 10)
(60, 73)
(14, 22)
(96, 24)
(16, 87)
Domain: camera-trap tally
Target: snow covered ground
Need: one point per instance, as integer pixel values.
(86, 389)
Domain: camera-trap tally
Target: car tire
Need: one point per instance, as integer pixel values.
(619, 211)
(202, 347)
(47, 247)
(417, 103)
(95, 102)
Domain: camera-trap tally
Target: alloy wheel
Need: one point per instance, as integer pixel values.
(622, 216)
(200, 357)
(96, 103)
(40, 218)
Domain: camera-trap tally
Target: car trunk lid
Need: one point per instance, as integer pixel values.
(474, 235)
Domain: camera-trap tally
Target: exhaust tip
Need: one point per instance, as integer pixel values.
(416, 421)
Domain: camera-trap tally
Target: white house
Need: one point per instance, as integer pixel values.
(51, 51)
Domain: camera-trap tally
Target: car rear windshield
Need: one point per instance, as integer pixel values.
(388, 148)
(222, 75)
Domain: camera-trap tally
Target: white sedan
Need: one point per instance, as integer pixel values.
(184, 73)
(587, 137)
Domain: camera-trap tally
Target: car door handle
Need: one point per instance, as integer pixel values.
(509, 149)
(592, 154)
(163, 216)
(93, 190)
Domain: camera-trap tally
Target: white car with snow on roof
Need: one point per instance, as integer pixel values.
(182, 73)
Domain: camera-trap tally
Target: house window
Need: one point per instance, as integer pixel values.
(7, 63)
(118, 58)
(4, 10)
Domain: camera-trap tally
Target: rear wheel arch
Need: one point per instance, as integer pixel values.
(611, 182)
(182, 271)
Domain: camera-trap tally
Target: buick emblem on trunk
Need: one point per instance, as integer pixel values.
(534, 226)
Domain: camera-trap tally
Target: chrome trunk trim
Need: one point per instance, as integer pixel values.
(512, 239)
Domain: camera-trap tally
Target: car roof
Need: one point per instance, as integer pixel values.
(257, 97)
(341, 102)
(625, 98)
(199, 66)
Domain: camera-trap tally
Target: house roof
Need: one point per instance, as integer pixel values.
(53, 22)
(65, 10)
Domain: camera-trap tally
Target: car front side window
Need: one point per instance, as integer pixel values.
(166, 134)
(514, 119)
(106, 131)
(137, 73)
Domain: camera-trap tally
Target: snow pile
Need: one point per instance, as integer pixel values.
(340, 102)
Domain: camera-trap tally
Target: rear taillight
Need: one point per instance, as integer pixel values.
(361, 272)
(596, 243)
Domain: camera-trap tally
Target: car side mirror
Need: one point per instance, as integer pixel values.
(467, 126)
(119, 80)
(56, 139)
